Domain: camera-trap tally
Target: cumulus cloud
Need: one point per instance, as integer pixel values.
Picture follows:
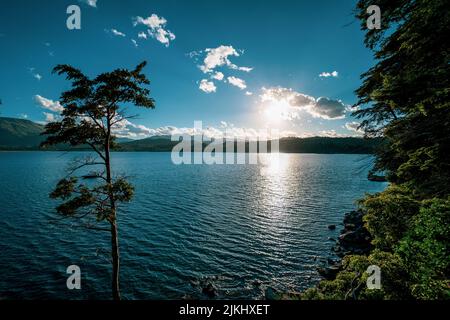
(322, 107)
(328, 109)
(207, 86)
(248, 93)
(211, 59)
(217, 57)
(156, 28)
(218, 76)
(220, 56)
(237, 82)
(333, 74)
(48, 104)
(293, 98)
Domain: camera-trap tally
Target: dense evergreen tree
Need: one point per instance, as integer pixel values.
(404, 99)
(92, 109)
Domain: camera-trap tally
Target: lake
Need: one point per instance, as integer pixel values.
(242, 227)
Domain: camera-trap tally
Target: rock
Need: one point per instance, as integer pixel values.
(332, 261)
(209, 290)
(272, 294)
(329, 273)
(348, 237)
(350, 226)
(376, 178)
(332, 227)
(353, 217)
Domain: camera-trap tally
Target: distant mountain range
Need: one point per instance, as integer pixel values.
(20, 134)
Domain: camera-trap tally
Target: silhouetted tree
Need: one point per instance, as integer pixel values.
(405, 96)
(93, 108)
(405, 100)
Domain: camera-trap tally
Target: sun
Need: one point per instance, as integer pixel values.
(276, 111)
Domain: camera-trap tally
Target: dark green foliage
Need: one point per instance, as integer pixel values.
(404, 99)
(350, 283)
(388, 215)
(425, 251)
(93, 108)
(405, 96)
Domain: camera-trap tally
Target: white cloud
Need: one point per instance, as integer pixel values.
(218, 57)
(163, 36)
(333, 74)
(35, 74)
(127, 129)
(331, 134)
(245, 69)
(248, 93)
(218, 76)
(142, 35)
(322, 107)
(48, 104)
(237, 82)
(214, 58)
(207, 86)
(134, 42)
(117, 33)
(326, 108)
(353, 126)
(23, 116)
(156, 28)
(49, 117)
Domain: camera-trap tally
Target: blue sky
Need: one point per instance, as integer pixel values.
(293, 65)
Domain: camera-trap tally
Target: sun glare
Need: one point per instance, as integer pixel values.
(275, 111)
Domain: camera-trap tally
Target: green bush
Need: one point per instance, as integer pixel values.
(389, 215)
(425, 251)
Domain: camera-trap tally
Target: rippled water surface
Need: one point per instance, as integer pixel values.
(242, 227)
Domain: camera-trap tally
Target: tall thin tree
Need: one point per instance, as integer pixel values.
(93, 109)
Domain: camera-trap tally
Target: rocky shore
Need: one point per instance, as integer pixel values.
(354, 239)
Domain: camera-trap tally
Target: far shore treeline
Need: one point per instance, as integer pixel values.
(25, 135)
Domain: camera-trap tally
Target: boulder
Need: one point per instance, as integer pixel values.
(209, 290)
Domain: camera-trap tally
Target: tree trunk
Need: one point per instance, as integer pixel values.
(115, 261)
(113, 220)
